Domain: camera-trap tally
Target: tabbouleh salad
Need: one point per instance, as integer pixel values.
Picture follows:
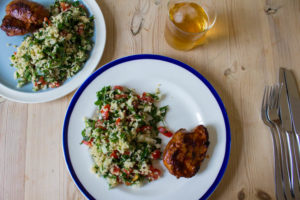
(56, 51)
(123, 137)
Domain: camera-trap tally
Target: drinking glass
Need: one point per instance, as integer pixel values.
(188, 22)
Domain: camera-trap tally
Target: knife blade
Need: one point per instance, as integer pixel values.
(287, 125)
(294, 99)
(284, 104)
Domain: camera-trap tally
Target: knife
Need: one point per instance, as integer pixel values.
(294, 99)
(294, 107)
(286, 125)
(285, 116)
(289, 139)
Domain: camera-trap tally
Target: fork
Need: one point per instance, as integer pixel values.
(277, 168)
(274, 118)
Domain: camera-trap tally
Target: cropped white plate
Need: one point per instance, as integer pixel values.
(25, 94)
(192, 101)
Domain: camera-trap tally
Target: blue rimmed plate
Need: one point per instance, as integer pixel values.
(25, 94)
(192, 101)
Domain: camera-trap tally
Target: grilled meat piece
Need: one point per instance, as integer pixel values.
(13, 26)
(27, 11)
(185, 152)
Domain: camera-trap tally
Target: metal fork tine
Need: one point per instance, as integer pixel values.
(264, 101)
(268, 95)
(278, 94)
(274, 118)
(273, 97)
(277, 167)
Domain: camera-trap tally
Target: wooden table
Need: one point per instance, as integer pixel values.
(248, 44)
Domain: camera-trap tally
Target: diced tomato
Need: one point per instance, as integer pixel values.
(81, 29)
(118, 87)
(127, 153)
(143, 128)
(15, 53)
(99, 124)
(155, 173)
(42, 81)
(88, 143)
(118, 121)
(120, 96)
(146, 97)
(127, 183)
(128, 172)
(156, 154)
(47, 20)
(168, 134)
(116, 170)
(105, 115)
(64, 6)
(164, 131)
(107, 106)
(54, 84)
(114, 154)
(105, 112)
(81, 6)
(118, 180)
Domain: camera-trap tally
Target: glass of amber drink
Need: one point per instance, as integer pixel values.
(188, 22)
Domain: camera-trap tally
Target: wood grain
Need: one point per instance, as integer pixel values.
(249, 42)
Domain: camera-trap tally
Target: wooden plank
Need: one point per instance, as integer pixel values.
(43, 150)
(13, 122)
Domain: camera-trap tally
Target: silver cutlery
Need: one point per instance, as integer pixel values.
(274, 118)
(266, 104)
(289, 105)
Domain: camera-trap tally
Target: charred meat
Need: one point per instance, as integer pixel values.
(185, 152)
(13, 26)
(27, 11)
(23, 16)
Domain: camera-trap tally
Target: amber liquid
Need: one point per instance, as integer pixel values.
(186, 26)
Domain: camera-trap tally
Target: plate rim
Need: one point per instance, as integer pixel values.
(9, 93)
(116, 62)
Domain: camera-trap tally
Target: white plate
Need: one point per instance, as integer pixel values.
(192, 101)
(25, 94)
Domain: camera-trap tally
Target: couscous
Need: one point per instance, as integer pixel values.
(56, 51)
(123, 137)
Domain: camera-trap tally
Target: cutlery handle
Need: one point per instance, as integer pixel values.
(294, 165)
(285, 164)
(277, 167)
